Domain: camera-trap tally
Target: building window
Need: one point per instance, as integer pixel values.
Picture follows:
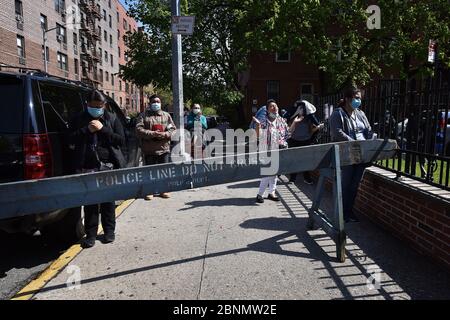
(101, 75)
(121, 101)
(118, 35)
(307, 92)
(76, 66)
(120, 85)
(62, 62)
(112, 61)
(112, 79)
(106, 56)
(273, 90)
(110, 41)
(105, 36)
(44, 22)
(19, 8)
(125, 25)
(110, 21)
(106, 76)
(104, 15)
(61, 34)
(48, 54)
(283, 57)
(21, 46)
(60, 5)
(120, 52)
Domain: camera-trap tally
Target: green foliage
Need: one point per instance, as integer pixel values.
(227, 31)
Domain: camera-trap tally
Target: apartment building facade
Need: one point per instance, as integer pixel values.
(82, 37)
(285, 77)
(130, 96)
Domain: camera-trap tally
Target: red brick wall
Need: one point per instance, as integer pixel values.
(420, 219)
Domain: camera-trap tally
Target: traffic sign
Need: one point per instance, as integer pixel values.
(183, 25)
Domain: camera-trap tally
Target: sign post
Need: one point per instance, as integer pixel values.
(177, 78)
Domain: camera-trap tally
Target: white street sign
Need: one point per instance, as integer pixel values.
(183, 25)
(432, 51)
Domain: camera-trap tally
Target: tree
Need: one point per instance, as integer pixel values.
(334, 35)
(213, 56)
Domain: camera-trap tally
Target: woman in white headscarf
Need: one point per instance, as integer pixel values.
(303, 124)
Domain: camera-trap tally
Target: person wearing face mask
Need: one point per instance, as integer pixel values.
(349, 123)
(196, 116)
(95, 136)
(303, 126)
(155, 129)
(272, 132)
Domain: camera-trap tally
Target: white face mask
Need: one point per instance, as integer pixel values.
(196, 111)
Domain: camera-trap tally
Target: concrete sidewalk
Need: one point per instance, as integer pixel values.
(216, 243)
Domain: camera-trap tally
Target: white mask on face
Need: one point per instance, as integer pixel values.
(196, 111)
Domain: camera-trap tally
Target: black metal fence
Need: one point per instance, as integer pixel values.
(414, 113)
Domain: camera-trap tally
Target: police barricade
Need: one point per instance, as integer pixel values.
(36, 196)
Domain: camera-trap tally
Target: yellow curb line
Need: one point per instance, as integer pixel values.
(64, 259)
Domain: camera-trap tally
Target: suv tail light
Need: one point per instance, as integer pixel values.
(38, 156)
(442, 123)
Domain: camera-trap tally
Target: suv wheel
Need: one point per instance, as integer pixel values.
(69, 229)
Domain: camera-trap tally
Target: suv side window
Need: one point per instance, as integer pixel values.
(60, 104)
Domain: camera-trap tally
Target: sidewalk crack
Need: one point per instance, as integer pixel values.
(204, 260)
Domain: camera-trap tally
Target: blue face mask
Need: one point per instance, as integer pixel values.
(155, 107)
(96, 112)
(356, 103)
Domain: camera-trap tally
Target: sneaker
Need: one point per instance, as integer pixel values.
(273, 198)
(149, 197)
(88, 243)
(165, 195)
(109, 238)
(259, 199)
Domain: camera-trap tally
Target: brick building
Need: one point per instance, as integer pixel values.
(83, 41)
(281, 76)
(129, 95)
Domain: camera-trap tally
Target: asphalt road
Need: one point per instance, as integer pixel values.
(22, 258)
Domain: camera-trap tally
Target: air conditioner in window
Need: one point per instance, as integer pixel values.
(22, 61)
(19, 18)
(60, 38)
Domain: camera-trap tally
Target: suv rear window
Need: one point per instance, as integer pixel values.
(60, 104)
(11, 104)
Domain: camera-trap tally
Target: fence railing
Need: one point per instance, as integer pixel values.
(414, 113)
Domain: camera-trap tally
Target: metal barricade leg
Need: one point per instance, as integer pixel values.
(338, 209)
(333, 226)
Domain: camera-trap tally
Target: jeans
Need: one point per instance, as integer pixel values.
(268, 181)
(351, 177)
(91, 215)
(294, 144)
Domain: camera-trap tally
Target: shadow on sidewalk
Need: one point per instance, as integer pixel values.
(369, 248)
(229, 202)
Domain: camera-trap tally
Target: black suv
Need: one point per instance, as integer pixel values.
(35, 109)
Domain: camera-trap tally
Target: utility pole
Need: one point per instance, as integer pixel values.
(177, 78)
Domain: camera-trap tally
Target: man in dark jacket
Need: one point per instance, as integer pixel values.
(96, 136)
